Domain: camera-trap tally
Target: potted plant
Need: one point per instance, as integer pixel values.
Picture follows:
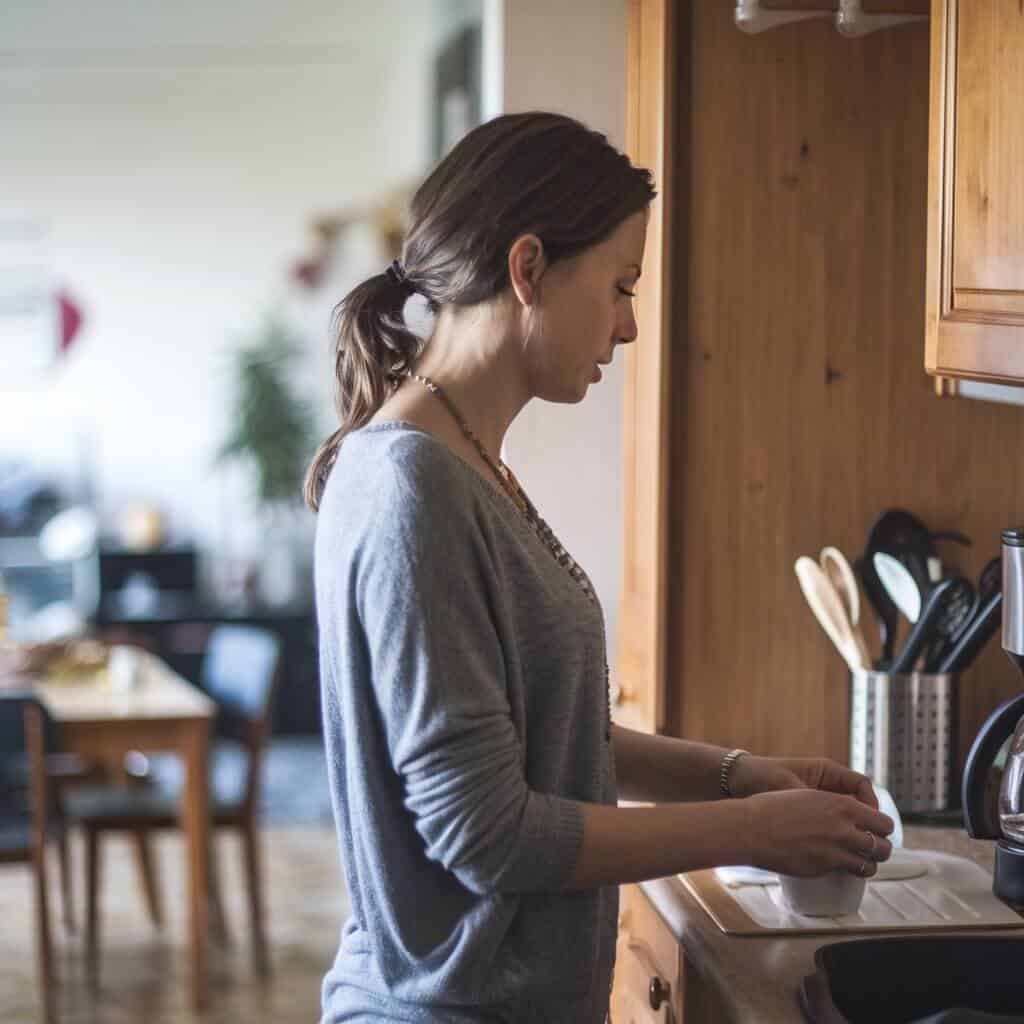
(272, 429)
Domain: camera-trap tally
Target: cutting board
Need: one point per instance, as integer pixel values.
(952, 893)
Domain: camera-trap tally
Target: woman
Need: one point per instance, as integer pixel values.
(472, 757)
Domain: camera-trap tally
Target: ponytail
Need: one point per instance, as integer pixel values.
(373, 349)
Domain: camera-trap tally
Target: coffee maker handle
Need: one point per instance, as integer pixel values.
(994, 733)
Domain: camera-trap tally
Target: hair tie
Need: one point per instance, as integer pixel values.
(396, 275)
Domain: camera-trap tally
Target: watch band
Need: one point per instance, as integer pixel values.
(727, 763)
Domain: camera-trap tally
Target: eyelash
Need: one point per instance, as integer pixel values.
(626, 291)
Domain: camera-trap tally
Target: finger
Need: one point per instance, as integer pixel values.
(852, 857)
(845, 780)
(860, 866)
(871, 846)
(865, 792)
(871, 820)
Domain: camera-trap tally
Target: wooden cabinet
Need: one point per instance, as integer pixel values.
(975, 304)
(648, 968)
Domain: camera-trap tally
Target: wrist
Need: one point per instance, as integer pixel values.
(748, 830)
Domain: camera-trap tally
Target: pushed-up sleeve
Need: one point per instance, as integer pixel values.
(426, 599)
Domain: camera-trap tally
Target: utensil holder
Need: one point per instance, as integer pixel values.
(903, 736)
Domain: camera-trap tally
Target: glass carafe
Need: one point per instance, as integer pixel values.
(1011, 792)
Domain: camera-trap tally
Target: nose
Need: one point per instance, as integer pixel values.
(629, 330)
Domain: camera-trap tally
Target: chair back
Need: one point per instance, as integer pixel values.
(240, 671)
(28, 733)
(13, 740)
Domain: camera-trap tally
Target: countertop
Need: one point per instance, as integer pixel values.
(757, 978)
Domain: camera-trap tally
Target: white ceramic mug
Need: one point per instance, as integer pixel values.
(831, 895)
(838, 892)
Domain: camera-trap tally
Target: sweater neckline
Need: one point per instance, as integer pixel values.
(490, 487)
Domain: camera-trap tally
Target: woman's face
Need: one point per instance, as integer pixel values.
(586, 309)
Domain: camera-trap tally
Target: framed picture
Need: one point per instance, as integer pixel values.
(457, 88)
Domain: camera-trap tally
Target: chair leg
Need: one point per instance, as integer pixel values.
(218, 919)
(250, 846)
(66, 875)
(44, 946)
(92, 915)
(148, 874)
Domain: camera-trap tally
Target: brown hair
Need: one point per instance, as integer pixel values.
(519, 173)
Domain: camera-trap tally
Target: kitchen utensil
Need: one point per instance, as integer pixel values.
(990, 582)
(900, 585)
(828, 609)
(840, 574)
(887, 614)
(903, 536)
(949, 628)
(943, 611)
(978, 633)
(991, 578)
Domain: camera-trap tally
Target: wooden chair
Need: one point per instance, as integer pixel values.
(30, 818)
(240, 671)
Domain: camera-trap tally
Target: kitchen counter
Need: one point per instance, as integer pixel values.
(755, 980)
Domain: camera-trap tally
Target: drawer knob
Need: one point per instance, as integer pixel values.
(657, 992)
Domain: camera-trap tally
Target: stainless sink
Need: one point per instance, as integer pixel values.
(952, 979)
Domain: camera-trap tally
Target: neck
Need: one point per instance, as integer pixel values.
(480, 369)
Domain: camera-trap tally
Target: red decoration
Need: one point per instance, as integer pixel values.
(70, 320)
(309, 273)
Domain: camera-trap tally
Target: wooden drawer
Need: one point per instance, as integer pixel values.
(647, 953)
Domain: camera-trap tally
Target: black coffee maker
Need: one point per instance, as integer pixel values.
(1007, 824)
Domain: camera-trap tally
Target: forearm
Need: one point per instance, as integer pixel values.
(632, 844)
(661, 769)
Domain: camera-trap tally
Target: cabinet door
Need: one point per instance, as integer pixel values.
(647, 957)
(975, 303)
(652, 72)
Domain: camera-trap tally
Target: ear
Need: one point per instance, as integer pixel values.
(526, 266)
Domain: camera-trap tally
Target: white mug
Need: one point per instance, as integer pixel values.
(838, 892)
(831, 895)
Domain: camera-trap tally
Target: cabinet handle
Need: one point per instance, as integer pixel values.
(658, 992)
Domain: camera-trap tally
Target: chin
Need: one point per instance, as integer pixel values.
(563, 394)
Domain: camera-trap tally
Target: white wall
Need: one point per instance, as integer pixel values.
(570, 57)
(177, 153)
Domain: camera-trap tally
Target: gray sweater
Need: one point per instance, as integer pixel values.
(465, 715)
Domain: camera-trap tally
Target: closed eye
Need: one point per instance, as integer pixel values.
(626, 291)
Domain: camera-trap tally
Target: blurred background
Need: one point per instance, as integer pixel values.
(186, 192)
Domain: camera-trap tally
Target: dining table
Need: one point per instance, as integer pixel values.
(102, 717)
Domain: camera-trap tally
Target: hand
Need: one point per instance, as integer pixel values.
(807, 832)
(751, 775)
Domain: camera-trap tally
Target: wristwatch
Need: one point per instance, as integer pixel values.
(723, 774)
